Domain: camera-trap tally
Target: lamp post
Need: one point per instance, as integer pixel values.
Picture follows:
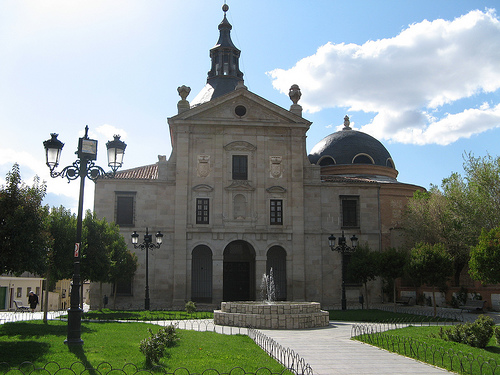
(83, 167)
(342, 248)
(146, 245)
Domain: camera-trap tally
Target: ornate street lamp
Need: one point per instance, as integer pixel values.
(146, 245)
(342, 248)
(83, 167)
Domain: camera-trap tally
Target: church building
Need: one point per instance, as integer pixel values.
(239, 196)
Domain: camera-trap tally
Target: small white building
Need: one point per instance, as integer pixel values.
(17, 289)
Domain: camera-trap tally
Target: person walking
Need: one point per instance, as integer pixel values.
(33, 301)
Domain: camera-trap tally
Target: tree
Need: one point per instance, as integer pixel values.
(96, 250)
(23, 225)
(391, 265)
(454, 215)
(123, 261)
(431, 265)
(61, 225)
(362, 267)
(105, 257)
(484, 264)
(430, 217)
(482, 195)
(62, 228)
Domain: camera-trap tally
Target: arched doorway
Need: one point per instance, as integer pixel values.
(201, 274)
(276, 259)
(239, 272)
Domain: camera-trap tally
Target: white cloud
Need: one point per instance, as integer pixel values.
(109, 131)
(402, 79)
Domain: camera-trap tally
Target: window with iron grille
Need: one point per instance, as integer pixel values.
(125, 210)
(123, 287)
(240, 167)
(202, 210)
(350, 212)
(276, 211)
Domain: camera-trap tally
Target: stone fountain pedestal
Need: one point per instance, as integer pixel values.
(271, 315)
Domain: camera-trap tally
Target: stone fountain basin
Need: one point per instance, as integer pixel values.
(271, 315)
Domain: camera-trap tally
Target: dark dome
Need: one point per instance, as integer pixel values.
(350, 147)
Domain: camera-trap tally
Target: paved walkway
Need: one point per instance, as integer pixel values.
(330, 351)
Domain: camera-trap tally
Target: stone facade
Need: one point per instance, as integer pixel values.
(239, 196)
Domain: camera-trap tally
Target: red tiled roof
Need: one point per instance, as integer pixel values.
(146, 172)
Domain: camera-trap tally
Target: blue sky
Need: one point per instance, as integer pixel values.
(423, 77)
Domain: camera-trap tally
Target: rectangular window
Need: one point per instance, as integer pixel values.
(276, 212)
(240, 167)
(125, 210)
(28, 290)
(350, 212)
(19, 292)
(123, 288)
(202, 210)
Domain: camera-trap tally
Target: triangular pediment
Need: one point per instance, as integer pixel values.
(239, 107)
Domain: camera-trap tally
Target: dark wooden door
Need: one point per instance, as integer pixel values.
(236, 281)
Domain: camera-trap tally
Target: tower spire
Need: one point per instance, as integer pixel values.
(224, 74)
(224, 55)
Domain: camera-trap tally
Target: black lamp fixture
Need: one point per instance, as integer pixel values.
(83, 167)
(342, 248)
(146, 245)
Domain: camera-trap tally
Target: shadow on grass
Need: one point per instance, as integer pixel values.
(79, 352)
(493, 349)
(15, 353)
(34, 329)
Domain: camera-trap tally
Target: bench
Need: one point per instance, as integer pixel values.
(404, 300)
(21, 307)
(473, 305)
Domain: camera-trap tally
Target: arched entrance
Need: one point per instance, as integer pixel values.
(201, 274)
(239, 272)
(276, 259)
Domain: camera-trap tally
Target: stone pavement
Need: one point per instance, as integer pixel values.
(330, 351)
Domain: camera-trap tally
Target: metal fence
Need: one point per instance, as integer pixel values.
(7, 317)
(286, 356)
(457, 361)
(443, 313)
(104, 368)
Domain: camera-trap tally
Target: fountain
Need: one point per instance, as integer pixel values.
(268, 287)
(269, 313)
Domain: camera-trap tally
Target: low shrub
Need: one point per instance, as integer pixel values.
(476, 334)
(190, 307)
(154, 346)
(496, 333)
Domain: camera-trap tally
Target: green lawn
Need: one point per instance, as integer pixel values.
(422, 343)
(118, 344)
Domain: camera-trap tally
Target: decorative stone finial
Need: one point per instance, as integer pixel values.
(294, 93)
(183, 91)
(183, 104)
(225, 8)
(347, 122)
